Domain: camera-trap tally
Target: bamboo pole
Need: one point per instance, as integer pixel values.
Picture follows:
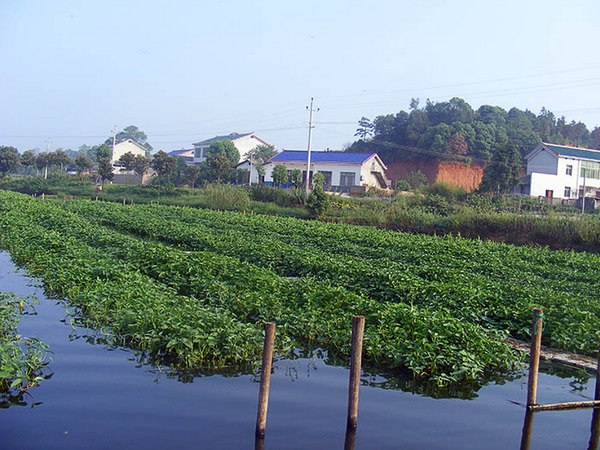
(565, 406)
(265, 379)
(527, 429)
(350, 439)
(595, 431)
(534, 356)
(358, 327)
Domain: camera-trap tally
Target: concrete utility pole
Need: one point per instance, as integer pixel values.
(114, 138)
(310, 127)
(48, 142)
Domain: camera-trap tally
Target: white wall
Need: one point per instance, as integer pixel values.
(125, 147)
(244, 144)
(334, 168)
(540, 182)
(253, 171)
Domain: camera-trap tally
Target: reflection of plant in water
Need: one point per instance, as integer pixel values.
(23, 360)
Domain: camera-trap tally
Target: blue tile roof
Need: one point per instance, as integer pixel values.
(324, 157)
(574, 152)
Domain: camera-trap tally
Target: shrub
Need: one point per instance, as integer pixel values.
(446, 190)
(226, 196)
(402, 185)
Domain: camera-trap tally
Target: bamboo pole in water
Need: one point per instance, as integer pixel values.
(265, 379)
(358, 328)
(527, 429)
(565, 406)
(534, 356)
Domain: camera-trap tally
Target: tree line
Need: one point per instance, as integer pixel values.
(454, 130)
(220, 164)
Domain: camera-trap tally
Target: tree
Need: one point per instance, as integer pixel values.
(595, 138)
(220, 162)
(131, 132)
(279, 174)
(164, 165)
(59, 158)
(365, 129)
(192, 175)
(9, 159)
(318, 201)
(126, 160)
(105, 167)
(28, 158)
(83, 163)
(259, 155)
(42, 162)
(458, 145)
(140, 164)
(502, 173)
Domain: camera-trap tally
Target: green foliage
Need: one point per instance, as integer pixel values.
(453, 130)
(502, 173)
(164, 165)
(445, 190)
(9, 159)
(221, 159)
(23, 360)
(279, 174)
(279, 196)
(402, 185)
(131, 132)
(225, 197)
(317, 201)
(416, 179)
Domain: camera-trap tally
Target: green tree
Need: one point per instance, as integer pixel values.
(192, 175)
(83, 163)
(164, 165)
(131, 132)
(140, 165)
(365, 129)
(279, 174)
(9, 159)
(502, 173)
(226, 148)
(126, 160)
(318, 201)
(259, 155)
(59, 158)
(42, 162)
(28, 158)
(595, 138)
(105, 167)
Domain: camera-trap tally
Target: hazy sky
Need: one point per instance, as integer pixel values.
(184, 71)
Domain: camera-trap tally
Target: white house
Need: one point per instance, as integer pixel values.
(128, 146)
(341, 170)
(244, 142)
(563, 172)
(246, 164)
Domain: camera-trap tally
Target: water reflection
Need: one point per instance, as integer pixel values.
(595, 432)
(527, 430)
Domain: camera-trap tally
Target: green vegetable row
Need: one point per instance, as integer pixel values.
(498, 293)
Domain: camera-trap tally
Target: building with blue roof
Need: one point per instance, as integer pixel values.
(343, 171)
(562, 172)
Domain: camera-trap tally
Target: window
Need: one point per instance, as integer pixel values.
(347, 178)
(590, 169)
(569, 170)
(327, 174)
(567, 192)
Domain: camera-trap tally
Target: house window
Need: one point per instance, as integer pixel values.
(347, 178)
(567, 192)
(328, 176)
(590, 169)
(569, 170)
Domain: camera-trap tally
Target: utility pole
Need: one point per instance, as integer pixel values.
(310, 127)
(114, 138)
(48, 141)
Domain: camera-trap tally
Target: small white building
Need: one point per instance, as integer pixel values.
(128, 146)
(246, 164)
(342, 170)
(562, 172)
(244, 142)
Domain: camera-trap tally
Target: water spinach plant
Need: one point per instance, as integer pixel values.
(23, 360)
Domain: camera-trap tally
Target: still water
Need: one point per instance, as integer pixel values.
(101, 398)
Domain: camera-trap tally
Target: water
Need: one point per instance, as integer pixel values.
(101, 398)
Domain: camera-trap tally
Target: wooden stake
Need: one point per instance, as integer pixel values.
(265, 379)
(358, 328)
(350, 439)
(534, 356)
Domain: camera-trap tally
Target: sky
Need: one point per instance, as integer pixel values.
(185, 71)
